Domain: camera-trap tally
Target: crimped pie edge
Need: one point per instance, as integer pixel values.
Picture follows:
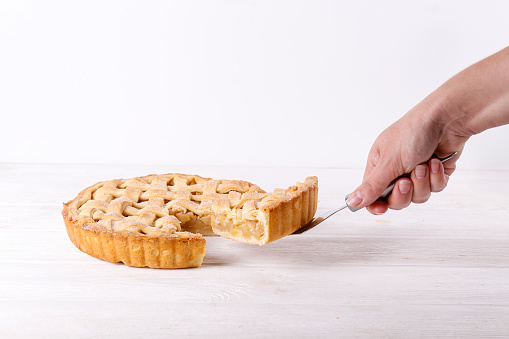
(184, 249)
(174, 250)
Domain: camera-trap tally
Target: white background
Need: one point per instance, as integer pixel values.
(293, 83)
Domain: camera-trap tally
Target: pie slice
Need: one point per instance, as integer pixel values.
(158, 220)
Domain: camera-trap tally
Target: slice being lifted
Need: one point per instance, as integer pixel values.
(158, 220)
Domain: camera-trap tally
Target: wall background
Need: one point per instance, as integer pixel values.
(292, 83)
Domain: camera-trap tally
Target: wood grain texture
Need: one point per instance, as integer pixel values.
(440, 269)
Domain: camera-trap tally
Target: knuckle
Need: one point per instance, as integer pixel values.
(438, 184)
(369, 189)
(369, 185)
(397, 207)
(436, 189)
(400, 205)
(450, 170)
(421, 200)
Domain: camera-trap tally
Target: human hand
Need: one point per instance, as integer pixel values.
(415, 187)
(472, 101)
(406, 148)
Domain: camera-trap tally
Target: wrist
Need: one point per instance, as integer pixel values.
(475, 99)
(450, 113)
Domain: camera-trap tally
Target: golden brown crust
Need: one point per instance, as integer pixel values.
(290, 213)
(278, 218)
(254, 216)
(176, 250)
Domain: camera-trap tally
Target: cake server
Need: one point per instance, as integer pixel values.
(385, 193)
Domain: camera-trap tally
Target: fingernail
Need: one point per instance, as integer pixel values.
(404, 186)
(435, 165)
(355, 199)
(420, 171)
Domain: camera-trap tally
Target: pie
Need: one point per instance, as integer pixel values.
(159, 221)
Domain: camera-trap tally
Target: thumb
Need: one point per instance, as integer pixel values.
(372, 187)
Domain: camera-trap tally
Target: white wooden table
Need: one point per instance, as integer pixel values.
(439, 269)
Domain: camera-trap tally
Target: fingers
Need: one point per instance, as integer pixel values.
(438, 178)
(400, 198)
(372, 187)
(424, 179)
(401, 195)
(422, 187)
(378, 207)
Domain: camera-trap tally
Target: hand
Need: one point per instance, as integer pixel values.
(417, 188)
(391, 158)
(472, 101)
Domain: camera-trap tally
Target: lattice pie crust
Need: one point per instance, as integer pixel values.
(158, 220)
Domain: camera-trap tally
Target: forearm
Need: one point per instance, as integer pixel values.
(470, 102)
(476, 99)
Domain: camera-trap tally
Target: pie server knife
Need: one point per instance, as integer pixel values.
(385, 193)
